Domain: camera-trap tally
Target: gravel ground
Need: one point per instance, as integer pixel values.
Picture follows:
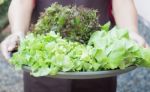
(10, 80)
(134, 81)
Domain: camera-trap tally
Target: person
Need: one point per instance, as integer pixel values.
(21, 12)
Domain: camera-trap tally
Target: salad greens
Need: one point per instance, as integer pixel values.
(106, 50)
(48, 54)
(68, 39)
(71, 22)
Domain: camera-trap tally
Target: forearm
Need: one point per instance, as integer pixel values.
(125, 14)
(19, 14)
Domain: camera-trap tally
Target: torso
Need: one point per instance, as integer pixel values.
(46, 84)
(100, 5)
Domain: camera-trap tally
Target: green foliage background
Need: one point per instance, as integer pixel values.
(3, 13)
(1, 2)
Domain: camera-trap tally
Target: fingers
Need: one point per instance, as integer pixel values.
(4, 50)
(146, 45)
(138, 39)
(9, 45)
(13, 45)
(143, 43)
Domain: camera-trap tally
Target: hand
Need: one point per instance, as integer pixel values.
(10, 44)
(139, 39)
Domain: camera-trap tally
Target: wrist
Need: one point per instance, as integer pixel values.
(22, 30)
(133, 29)
(19, 33)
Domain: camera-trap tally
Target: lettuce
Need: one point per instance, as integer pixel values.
(106, 50)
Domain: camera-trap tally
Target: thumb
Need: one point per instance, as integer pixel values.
(12, 47)
(147, 46)
(20, 36)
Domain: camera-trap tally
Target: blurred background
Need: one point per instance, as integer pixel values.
(137, 80)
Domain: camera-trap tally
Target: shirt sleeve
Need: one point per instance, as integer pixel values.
(112, 19)
(34, 3)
